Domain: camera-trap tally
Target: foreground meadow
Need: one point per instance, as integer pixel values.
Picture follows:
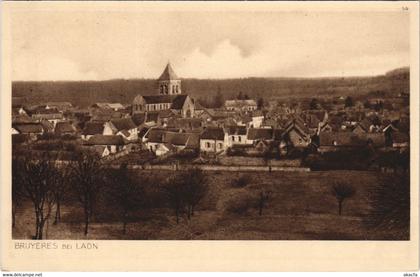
(299, 206)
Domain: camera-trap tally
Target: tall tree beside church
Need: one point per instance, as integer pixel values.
(313, 105)
(349, 102)
(260, 103)
(219, 101)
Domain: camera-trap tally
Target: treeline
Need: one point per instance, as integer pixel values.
(85, 93)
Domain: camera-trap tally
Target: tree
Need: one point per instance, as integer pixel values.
(367, 105)
(195, 183)
(379, 106)
(60, 188)
(218, 101)
(174, 192)
(348, 102)
(185, 190)
(260, 103)
(390, 202)
(87, 175)
(127, 193)
(240, 96)
(264, 197)
(39, 177)
(18, 167)
(341, 192)
(313, 105)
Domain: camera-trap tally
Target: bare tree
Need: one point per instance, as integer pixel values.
(127, 193)
(174, 190)
(264, 197)
(39, 176)
(60, 188)
(87, 177)
(390, 202)
(342, 191)
(195, 183)
(18, 167)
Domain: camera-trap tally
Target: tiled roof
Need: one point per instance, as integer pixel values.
(240, 103)
(235, 130)
(185, 123)
(175, 138)
(106, 140)
(178, 102)
(213, 133)
(105, 105)
(123, 124)
(260, 133)
(155, 135)
(48, 126)
(28, 128)
(168, 73)
(64, 127)
(93, 128)
(350, 139)
(138, 118)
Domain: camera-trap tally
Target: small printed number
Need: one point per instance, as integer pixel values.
(405, 8)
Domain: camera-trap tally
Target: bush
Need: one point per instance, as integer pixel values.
(238, 202)
(241, 182)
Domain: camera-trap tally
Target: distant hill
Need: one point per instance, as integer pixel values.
(84, 93)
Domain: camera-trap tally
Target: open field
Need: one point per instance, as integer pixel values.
(300, 207)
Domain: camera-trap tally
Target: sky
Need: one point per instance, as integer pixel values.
(101, 45)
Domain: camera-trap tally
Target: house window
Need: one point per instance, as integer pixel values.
(233, 138)
(220, 145)
(208, 144)
(239, 138)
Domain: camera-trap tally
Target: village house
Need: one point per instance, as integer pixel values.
(65, 128)
(123, 126)
(107, 106)
(52, 115)
(186, 124)
(61, 106)
(241, 105)
(235, 135)
(92, 128)
(257, 118)
(198, 109)
(47, 126)
(297, 134)
(212, 140)
(255, 135)
(30, 129)
(113, 143)
(334, 141)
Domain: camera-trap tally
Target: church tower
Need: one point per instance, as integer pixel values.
(169, 83)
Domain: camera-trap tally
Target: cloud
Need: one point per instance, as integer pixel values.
(227, 60)
(49, 68)
(106, 45)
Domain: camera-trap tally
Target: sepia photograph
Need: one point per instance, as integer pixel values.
(242, 124)
(177, 126)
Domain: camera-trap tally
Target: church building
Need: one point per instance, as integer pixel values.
(170, 97)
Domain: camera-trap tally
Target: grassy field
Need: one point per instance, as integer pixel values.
(300, 207)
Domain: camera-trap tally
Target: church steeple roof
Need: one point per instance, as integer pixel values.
(168, 73)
